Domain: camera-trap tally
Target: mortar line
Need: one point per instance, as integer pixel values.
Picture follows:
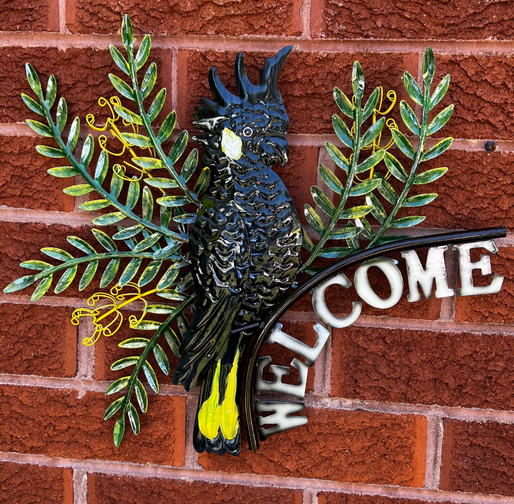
(128, 469)
(85, 354)
(62, 17)
(305, 16)
(309, 497)
(79, 486)
(433, 452)
(174, 81)
(191, 457)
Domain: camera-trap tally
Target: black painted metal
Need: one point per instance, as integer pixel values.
(406, 244)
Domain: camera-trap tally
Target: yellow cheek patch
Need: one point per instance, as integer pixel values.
(225, 416)
(231, 144)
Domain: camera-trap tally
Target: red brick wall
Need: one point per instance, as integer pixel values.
(414, 406)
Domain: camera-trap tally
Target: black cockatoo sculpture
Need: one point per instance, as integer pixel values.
(245, 244)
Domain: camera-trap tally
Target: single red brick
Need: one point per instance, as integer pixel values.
(106, 489)
(338, 498)
(484, 106)
(31, 15)
(37, 340)
(477, 457)
(493, 307)
(26, 484)
(61, 423)
(197, 17)
(412, 20)
(306, 81)
(82, 77)
(352, 446)
(24, 180)
(427, 367)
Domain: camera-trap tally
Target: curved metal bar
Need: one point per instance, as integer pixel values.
(409, 243)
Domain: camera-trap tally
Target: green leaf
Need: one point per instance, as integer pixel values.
(185, 219)
(130, 232)
(344, 103)
(203, 181)
(365, 187)
(403, 144)
(165, 216)
(134, 343)
(149, 273)
(409, 118)
(32, 104)
(373, 132)
(178, 147)
(171, 295)
(173, 341)
(167, 251)
(102, 166)
(149, 80)
(322, 201)
(63, 171)
(406, 222)
(167, 126)
(119, 430)
(40, 128)
(371, 104)
(87, 151)
(147, 204)
(133, 194)
(117, 385)
(91, 206)
(108, 219)
(420, 200)
(440, 91)
(129, 116)
(173, 201)
(113, 408)
(182, 325)
(127, 33)
(386, 190)
(428, 67)
(73, 136)
(120, 61)
(314, 219)
(124, 363)
(34, 81)
(337, 156)
(122, 87)
(149, 163)
(41, 289)
(345, 233)
(141, 396)
(395, 167)
(143, 52)
(373, 160)
(189, 166)
(412, 88)
(133, 418)
(330, 179)
(162, 183)
(342, 131)
(151, 377)
(137, 139)
(377, 210)
(61, 116)
(168, 278)
(116, 185)
(357, 80)
(88, 275)
(336, 252)
(437, 149)
(130, 271)
(35, 265)
(20, 283)
(104, 240)
(51, 91)
(356, 212)
(157, 105)
(440, 120)
(66, 279)
(147, 242)
(161, 359)
(429, 176)
(78, 190)
(56, 253)
(109, 273)
(50, 152)
(160, 309)
(82, 245)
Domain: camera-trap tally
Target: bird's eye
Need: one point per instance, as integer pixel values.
(248, 132)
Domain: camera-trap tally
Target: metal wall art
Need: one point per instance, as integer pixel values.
(218, 266)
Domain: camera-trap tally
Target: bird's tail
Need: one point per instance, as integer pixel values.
(217, 420)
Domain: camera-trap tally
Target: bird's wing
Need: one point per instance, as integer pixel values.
(220, 257)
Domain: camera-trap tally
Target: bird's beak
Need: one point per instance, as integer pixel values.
(231, 144)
